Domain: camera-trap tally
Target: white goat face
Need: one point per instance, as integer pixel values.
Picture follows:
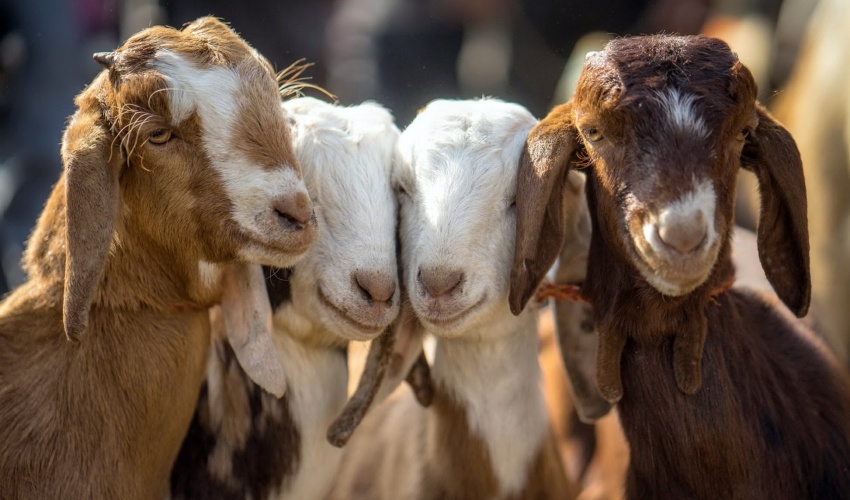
(456, 176)
(349, 279)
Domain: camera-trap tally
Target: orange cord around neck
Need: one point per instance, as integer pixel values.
(548, 290)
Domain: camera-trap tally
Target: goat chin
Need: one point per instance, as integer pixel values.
(151, 214)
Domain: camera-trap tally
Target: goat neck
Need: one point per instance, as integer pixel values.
(479, 406)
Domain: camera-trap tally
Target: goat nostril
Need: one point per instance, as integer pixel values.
(375, 286)
(294, 211)
(439, 281)
(683, 236)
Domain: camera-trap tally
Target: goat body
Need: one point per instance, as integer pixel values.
(128, 255)
(721, 393)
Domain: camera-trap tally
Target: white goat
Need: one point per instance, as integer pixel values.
(176, 161)
(486, 433)
(244, 442)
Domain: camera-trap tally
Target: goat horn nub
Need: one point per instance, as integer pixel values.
(105, 59)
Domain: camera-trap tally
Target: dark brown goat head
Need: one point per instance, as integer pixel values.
(664, 122)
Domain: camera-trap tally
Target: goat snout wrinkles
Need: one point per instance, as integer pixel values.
(377, 287)
(440, 282)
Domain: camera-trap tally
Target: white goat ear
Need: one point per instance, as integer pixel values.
(574, 320)
(92, 166)
(394, 356)
(407, 361)
(247, 316)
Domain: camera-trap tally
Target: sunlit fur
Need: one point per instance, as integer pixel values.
(280, 448)
(486, 434)
(125, 259)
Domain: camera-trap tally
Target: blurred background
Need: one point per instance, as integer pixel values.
(403, 53)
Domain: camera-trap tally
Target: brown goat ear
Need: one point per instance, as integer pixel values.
(541, 202)
(783, 233)
(92, 165)
(247, 317)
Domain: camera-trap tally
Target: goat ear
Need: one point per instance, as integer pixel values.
(541, 202)
(247, 317)
(392, 356)
(783, 234)
(92, 166)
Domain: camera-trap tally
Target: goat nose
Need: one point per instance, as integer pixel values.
(439, 281)
(683, 233)
(376, 286)
(295, 210)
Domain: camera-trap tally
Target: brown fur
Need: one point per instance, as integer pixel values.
(115, 251)
(772, 417)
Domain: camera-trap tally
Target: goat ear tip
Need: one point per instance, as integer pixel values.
(73, 333)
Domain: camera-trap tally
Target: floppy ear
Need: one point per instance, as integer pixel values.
(541, 202)
(247, 316)
(394, 356)
(783, 233)
(92, 166)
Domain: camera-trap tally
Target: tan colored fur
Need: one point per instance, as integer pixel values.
(104, 417)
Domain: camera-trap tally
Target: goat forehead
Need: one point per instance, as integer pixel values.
(210, 90)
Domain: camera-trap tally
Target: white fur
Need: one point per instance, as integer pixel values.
(210, 274)
(317, 380)
(458, 163)
(511, 419)
(346, 155)
(681, 112)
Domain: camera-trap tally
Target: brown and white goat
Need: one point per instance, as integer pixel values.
(177, 161)
(721, 393)
(244, 442)
(486, 434)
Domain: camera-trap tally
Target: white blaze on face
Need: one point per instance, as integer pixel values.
(681, 112)
(215, 93)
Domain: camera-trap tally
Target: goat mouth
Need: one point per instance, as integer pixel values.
(446, 322)
(365, 331)
(672, 275)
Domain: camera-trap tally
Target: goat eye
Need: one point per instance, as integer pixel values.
(159, 136)
(592, 134)
(743, 134)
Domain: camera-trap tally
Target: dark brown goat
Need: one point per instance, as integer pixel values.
(722, 393)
